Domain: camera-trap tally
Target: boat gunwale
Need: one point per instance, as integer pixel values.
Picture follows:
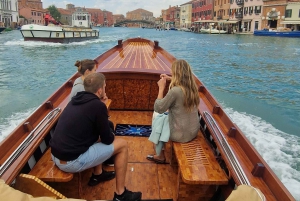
(240, 142)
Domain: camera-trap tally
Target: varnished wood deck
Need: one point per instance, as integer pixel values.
(135, 56)
(153, 180)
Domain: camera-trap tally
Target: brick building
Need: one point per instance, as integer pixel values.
(118, 17)
(37, 4)
(273, 13)
(32, 11)
(203, 9)
(97, 18)
(108, 19)
(140, 14)
(171, 17)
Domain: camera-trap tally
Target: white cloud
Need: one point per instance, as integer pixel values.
(120, 6)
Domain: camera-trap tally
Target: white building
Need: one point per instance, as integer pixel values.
(9, 15)
(186, 15)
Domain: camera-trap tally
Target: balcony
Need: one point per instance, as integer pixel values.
(219, 17)
(239, 15)
(240, 2)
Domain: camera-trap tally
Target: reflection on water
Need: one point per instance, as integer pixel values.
(255, 78)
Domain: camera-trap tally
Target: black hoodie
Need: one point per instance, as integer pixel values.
(81, 123)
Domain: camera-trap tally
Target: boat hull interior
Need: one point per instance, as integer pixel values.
(204, 172)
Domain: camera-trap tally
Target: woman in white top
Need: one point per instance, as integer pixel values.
(84, 67)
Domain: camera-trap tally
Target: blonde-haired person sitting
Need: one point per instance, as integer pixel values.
(84, 67)
(182, 102)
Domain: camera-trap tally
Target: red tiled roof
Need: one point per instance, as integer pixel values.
(64, 11)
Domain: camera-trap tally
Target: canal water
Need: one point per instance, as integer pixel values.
(256, 80)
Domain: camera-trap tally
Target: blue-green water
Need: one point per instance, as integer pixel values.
(256, 79)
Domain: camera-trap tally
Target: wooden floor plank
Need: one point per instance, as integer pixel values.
(153, 180)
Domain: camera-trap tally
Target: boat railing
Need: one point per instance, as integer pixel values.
(26, 142)
(240, 174)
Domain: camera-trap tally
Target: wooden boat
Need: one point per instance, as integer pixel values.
(207, 168)
(278, 33)
(79, 31)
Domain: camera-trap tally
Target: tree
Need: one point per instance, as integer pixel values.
(54, 12)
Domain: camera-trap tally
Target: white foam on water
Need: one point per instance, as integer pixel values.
(23, 43)
(10, 123)
(241, 44)
(280, 150)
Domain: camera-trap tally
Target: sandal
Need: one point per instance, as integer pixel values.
(151, 158)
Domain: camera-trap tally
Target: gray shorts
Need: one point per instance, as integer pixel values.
(95, 155)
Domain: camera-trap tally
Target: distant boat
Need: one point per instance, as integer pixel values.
(79, 31)
(279, 33)
(213, 31)
(2, 29)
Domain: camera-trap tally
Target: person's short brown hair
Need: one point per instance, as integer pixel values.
(93, 82)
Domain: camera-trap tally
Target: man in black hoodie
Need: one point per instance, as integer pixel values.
(83, 139)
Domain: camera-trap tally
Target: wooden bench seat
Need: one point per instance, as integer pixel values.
(198, 171)
(46, 170)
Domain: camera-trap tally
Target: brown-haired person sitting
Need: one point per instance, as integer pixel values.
(75, 146)
(84, 67)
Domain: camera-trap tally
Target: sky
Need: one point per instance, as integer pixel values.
(119, 6)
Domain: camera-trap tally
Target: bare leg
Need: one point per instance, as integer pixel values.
(121, 159)
(161, 156)
(97, 170)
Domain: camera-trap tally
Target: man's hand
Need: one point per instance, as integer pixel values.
(104, 98)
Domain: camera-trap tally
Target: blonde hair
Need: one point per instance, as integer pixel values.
(83, 65)
(182, 77)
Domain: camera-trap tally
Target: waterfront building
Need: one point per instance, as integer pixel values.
(171, 17)
(175, 16)
(292, 16)
(221, 10)
(66, 16)
(273, 13)
(37, 4)
(164, 14)
(247, 13)
(252, 14)
(108, 19)
(202, 10)
(97, 16)
(118, 18)
(186, 15)
(9, 15)
(139, 14)
(32, 16)
(31, 12)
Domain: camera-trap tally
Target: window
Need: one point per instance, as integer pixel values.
(257, 9)
(256, 25)
(250, 10)
(288, 13)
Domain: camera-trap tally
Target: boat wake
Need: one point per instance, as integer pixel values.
(23, 43)
(10, 123)
(280, 150)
